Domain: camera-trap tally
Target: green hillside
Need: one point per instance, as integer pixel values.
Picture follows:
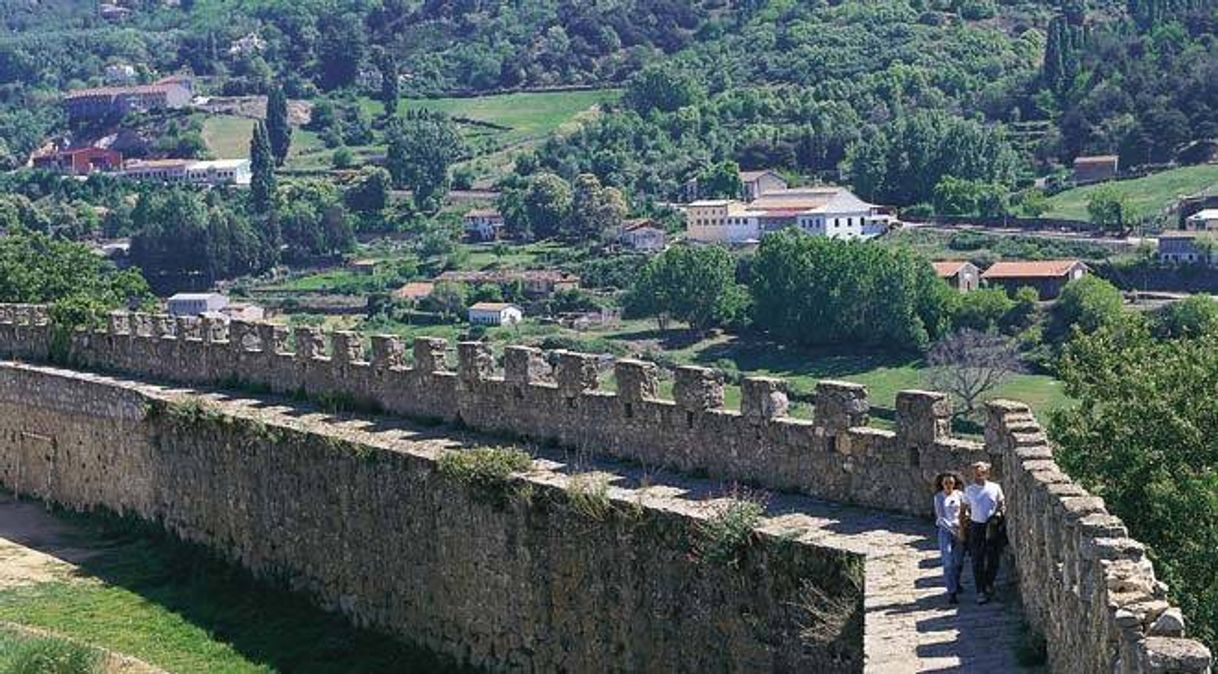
(1149, 196)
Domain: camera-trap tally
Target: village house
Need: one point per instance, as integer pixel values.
(119, 74)
(80, 161)
(364, 267)
(1095, 169)
(643, 235)
(168, 93)
(1205, 220)
(495, 313)
(959, 274)
(758, 183)
(534, 283)
(834, 212)
(1046, 277)
(1188, 247)
(483, 224)
(414, 291)
(210, 172)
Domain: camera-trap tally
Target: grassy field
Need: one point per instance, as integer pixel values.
(228, 137)
(171, 605)
(1148, 195)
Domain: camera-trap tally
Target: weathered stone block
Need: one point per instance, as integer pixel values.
(841, 405)
(346, 347)
(309, 345)
(636, 380)
(697, 389)
(272, 339)
(7, 314)
(1169, 623)
(524, 365)
(240, 335)
(163, 326)
(576, 373)
(763, 398)
(923, 417)
(387, 351)
(215, 330)
(429, 354)
(119, 323)
(186, 327)
(1167, 655)
(475, 362)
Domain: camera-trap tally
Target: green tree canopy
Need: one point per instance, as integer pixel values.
(279, 131)
(1088, 304)
(695, 285)
(36, 268)
(422, 146)
(1109, 209)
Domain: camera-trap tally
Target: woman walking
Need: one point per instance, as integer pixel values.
(948, 502)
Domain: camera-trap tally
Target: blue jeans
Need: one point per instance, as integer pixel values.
(951, 552)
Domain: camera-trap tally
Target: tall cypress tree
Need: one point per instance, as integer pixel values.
(390, 91)
(277, 127)
(262, 166)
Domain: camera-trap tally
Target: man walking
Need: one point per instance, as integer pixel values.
(983, 501)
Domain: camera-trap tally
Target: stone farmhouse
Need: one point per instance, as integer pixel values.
(80, 161)
(834, 212)
(758, 183)
(168, 93)
(643, 235)
(959, 274)
(483, 224)
(1047, 277)
(1188, 246)
(1095, 169)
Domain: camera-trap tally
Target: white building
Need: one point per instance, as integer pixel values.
(1203, 221)
(119, 74)
(643, 235)
(196, 304)
(821, 211)
(210, 172)
(495, 313)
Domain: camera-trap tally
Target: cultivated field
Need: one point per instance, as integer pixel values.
(1149, 195)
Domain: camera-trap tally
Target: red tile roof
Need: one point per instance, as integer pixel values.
(414, 291)
(948, 268)
(1026, 269)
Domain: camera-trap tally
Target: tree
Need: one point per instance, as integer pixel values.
(262, 169)
(662, 87)
(954, 196)
(596, 211)
(969, 364)
(421, 149)
(448, 299)
(696, 285)
(340, 51)
(1109, 209)
(547, 205)
(390, 88)
(721, 181)
(1088, 304)
(1143, 436)
(982, 309)
(368, 194)
(278, 130)
(1191, 317)
(36, 268)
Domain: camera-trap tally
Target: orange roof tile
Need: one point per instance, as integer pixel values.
(1030, 269)
(948, 268)
(414, 291)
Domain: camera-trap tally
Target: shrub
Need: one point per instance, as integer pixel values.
(723, 537)
(589, 496)
(485, 471)
(50, 655)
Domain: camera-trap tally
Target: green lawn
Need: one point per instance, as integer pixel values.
(228, 137)
(171, 605)
(1149, 195)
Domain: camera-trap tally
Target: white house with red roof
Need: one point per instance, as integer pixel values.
(834, 212)
(483, 224)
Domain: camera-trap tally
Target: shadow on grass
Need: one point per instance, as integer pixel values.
(261, 620)
(753, 353)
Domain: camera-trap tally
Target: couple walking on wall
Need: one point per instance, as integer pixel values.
(970, 517)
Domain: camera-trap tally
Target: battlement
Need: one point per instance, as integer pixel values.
(553, 397)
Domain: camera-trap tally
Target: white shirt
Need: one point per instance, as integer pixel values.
(983, 500)
(947, 510)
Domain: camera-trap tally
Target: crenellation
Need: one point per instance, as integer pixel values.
(214, 330)
(576, 373)
(840, 405)
(636, 380)
(241, 334)
(475, 362)
(119, 323)
(697, 389)
(309, 345)
(388, 352)
(524, 365)
(923, 418)
(430, 355)
(763, 398)
(272, 339)
(346, 347)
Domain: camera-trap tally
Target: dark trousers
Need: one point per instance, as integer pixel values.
(985, 555)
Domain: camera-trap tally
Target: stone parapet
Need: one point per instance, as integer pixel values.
(1084, 583)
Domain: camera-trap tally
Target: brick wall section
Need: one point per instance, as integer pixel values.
(1084, 583)
(836, 456)
(364, 522)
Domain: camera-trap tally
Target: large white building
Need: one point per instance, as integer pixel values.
(495, 313)
(834, 212)
(209, 172)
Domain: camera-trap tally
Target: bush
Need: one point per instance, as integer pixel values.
(53, 656)
(723, 537)
(485, 471)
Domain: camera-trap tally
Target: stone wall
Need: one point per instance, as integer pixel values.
(550, 397)
(1085, 584)
(365, 522)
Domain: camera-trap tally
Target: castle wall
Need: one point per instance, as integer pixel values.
(551, 398)
(1085, 584)
(369, 526)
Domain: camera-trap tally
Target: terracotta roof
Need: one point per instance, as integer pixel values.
(492, 306)
(641, 223)
(1026, 269)
(414, 291)
(749, 176)
(948, 268)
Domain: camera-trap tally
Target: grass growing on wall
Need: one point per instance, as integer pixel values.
(21, 654)
(172, 605)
